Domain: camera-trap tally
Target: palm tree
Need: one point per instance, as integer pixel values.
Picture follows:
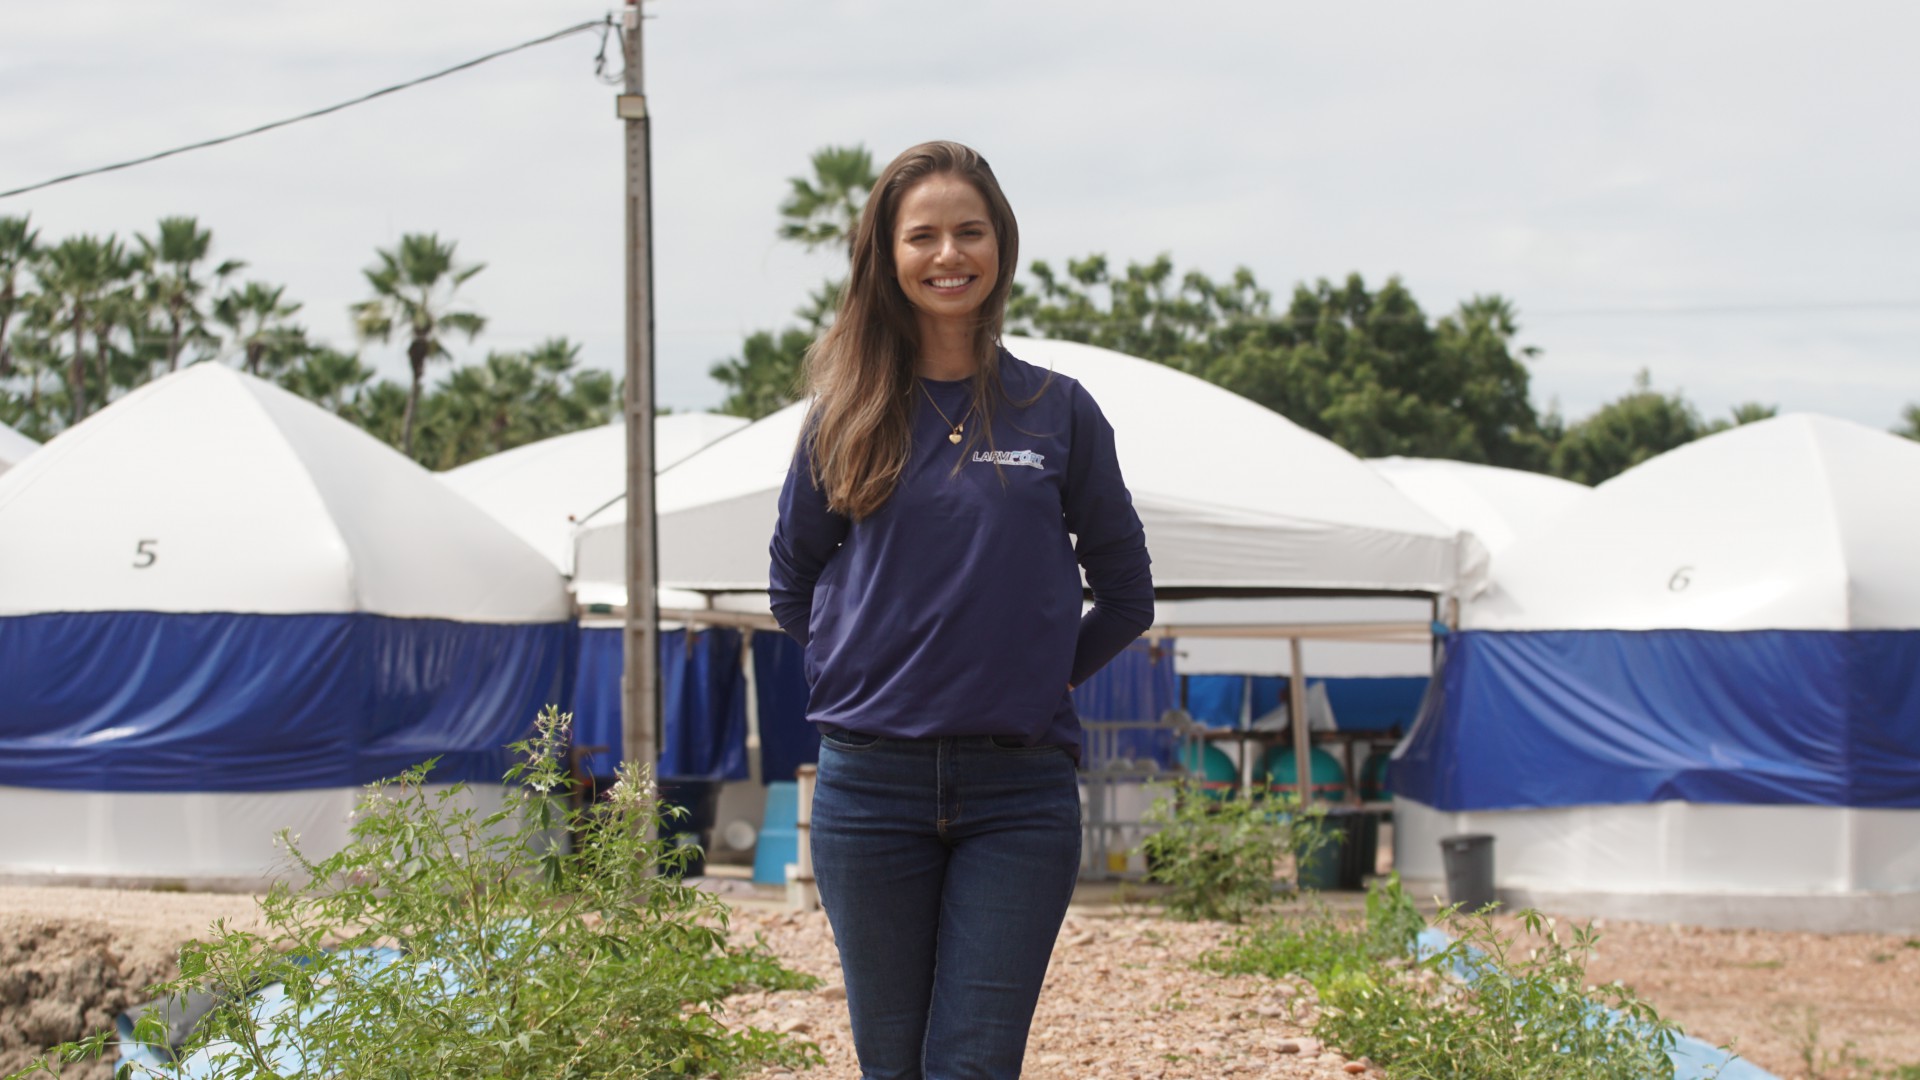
(257, 316)
(414, 287)
(19, 246)
(328, 378)
(168, 262)
(825, 209)
(119, 308)
(74, 275)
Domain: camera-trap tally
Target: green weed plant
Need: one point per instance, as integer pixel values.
(445, 942)
(1479, 1009)
(1221, 858)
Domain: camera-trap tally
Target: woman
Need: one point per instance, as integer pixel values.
(932, 530)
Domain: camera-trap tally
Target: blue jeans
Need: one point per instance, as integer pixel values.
(945, 867)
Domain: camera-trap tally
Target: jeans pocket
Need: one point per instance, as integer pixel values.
(849, 741)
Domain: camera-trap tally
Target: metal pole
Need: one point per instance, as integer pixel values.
(1297, 710)
(640, 686)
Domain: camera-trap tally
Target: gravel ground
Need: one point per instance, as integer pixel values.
(1121, 999)
(1779, 999)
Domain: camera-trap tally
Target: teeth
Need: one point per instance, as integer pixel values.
(949, 282)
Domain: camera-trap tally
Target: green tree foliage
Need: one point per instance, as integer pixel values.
(258, 320)
(87, 318)
(823, 209)
(512, 399)
(820, 211)
(1365, 368)
(1632, 428)
(77, 277)
(172, 287)
(414, 287)
(765, 377)
(19, 248)
(1909, 422)
(329, 378)
(1752, 412)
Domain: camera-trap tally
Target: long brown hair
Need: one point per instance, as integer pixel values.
(860, 372)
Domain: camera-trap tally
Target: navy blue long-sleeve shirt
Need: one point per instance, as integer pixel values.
(955, 608)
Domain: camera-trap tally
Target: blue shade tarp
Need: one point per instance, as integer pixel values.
(1567, 718)
(1139, 684)
(1216, 700)
(1383, 703)
(142, 701)
(704, 696)
(787, 740)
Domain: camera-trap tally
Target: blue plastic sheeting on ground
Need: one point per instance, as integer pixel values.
(139, 701)
(787, 740)
(704, 695)
(1139, 684)
(1382, 703)
(1567, 718)
(1692, 1058)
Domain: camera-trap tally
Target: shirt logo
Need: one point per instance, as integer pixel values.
(1010, 457)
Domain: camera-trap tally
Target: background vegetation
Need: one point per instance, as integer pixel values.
(1364, 366)
(84, 319)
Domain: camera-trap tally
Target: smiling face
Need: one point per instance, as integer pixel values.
(945, 254)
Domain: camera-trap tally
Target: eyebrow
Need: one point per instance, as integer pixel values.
(914, 227)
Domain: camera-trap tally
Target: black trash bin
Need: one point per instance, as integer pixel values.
(1347, 857)
(1469, 862)
(701, 801)
(1360, 848)
(1320, 869)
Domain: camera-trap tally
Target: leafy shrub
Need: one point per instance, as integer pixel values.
(1476, 1010)
(442, 942)
(1480, 1010)
(1316, 945)
(1220, 857)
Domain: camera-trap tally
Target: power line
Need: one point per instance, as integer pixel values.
(361, 100)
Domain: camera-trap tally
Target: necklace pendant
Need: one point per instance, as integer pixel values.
(954, 437)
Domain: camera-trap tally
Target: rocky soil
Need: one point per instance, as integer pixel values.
(1121, 1001)
(72, 959)
(1849, 1004)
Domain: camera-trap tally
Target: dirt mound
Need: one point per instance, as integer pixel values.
(62, 979)
(72, 959)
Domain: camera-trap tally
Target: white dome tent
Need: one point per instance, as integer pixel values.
(222, 610)
(1496, 505)
(543, 490)
(14, 447)
(1234, 496)
(1691, 695)
(1236, 501)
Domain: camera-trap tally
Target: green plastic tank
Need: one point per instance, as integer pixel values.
(1211, 768)
(1373, 777)
(1327, 778)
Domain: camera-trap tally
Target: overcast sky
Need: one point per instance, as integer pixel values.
(1720, 192)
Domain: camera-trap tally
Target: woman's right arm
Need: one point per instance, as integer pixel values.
(804, 539)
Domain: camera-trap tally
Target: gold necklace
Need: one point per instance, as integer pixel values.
(954, 435)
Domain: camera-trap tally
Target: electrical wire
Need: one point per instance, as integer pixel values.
(361, 100)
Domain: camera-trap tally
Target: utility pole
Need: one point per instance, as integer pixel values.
(640, 686)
